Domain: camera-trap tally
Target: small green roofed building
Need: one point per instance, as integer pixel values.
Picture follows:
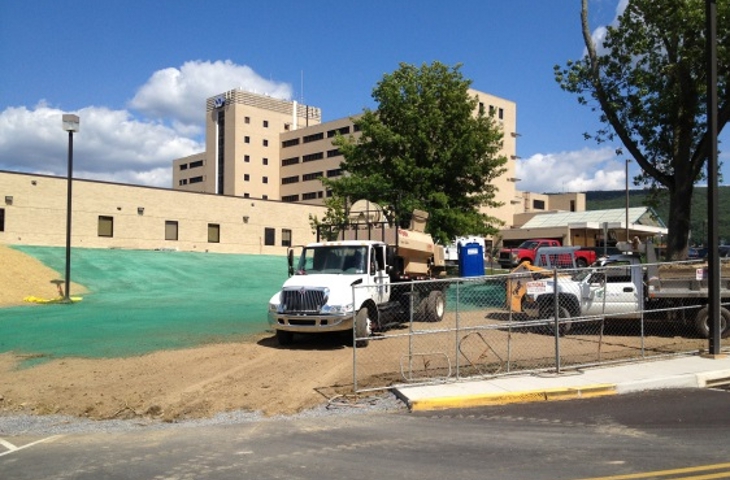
(590, 228)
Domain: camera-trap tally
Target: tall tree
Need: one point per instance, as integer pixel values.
(428, 145)
(648, 79)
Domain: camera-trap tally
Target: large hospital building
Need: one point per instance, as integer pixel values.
(253, 189)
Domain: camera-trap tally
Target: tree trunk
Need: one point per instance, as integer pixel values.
(680, 209)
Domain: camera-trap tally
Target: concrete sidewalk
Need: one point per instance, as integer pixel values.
(677, 372)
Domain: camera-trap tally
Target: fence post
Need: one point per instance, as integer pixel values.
(354, 343)
(556, 308)
(457, 337)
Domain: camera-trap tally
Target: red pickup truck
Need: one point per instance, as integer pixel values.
(511, 257)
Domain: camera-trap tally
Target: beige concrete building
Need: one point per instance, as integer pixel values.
(259, 147)
(111, 215)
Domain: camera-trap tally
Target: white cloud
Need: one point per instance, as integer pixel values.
(111, 145)
(119, 145)
(576, 171)
(180, 94)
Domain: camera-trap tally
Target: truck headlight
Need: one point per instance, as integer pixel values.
(273, 307)
(337, 309)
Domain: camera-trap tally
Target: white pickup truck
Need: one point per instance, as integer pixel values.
(620, 286)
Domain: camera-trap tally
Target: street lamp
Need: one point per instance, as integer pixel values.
(71, 125)
(627, 200)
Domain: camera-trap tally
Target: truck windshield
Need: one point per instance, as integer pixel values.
(334, 259)
(529, 245)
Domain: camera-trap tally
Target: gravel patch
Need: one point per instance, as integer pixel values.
(23, 424)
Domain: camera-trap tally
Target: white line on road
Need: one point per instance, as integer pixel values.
(12, 448)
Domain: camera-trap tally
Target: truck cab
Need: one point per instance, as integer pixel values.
(362, 282)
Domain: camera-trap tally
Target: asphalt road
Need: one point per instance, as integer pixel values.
(654, 434)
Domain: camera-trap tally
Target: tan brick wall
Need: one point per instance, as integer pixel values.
(36, 215)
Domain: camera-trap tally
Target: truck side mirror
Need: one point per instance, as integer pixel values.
(290, 261)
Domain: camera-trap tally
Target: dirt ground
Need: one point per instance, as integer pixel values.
(258, 375)
(170, 385)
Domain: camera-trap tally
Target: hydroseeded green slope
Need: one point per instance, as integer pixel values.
(142, 301)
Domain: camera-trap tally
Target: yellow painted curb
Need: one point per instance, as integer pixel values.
(487, 399)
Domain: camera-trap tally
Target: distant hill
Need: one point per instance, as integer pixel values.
(601, 200)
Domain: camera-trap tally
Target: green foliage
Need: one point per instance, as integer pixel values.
(425, 147)
(648, 81)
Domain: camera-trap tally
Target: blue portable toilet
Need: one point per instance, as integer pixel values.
(471, 260)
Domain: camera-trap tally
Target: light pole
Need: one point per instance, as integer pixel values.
(71, 125)
(627, 200)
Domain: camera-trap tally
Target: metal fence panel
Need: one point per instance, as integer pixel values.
(521, 322)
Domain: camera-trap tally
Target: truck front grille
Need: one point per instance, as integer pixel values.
(303, 300)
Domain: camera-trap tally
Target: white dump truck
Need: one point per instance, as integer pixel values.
(374, 275)
(620, 286)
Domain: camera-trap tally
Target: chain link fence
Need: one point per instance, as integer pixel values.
(533, 320)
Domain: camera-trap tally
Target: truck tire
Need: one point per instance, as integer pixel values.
(549, 313)
(702, 322)
(435, 307)
(362, 327)
(581, 263)
(284, 338)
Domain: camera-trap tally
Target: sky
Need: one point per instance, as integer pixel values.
(137, 72)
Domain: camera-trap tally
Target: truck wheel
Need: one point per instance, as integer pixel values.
(362, 327)
(702, 322)
(284, 338)
(435, 307)
(581, 263)
(548, 313)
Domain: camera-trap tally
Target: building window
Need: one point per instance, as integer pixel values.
(247, 158)
(106, 226)
(341, 131)
(572, 205)
(266, 161)
(221, 177)
(269, 236)
(264, 197)
(356, 128)
(538, 204)
(266, 124)
(290, 143)
(288, 180)
(285, 237)
(2, 219)
(313, 137)
(196, 179)
(290, 198)
(246, 139)
(266, 179)
(184, 181)
(170, 230)
(334, 173)
(312, 157)
(246, 195)
(246, 119)
(309, 196)
(183, 166)
(500, 114)
(311, 176)
(333, 153)
(196, 164)
(246, 177)
(214, 233)
(266, 143)
(289, 161)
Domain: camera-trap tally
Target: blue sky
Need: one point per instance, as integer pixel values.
(138, 72)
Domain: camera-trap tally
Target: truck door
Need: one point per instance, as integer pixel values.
(377, 269)
(613, 291)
